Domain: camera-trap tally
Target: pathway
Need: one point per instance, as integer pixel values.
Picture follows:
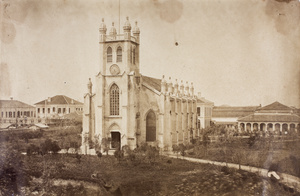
(286, 179)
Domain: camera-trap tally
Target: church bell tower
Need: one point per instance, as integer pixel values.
(119, 53)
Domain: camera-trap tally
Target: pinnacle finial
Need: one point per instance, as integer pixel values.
(113, 24)
(102, 19)
(127, 18)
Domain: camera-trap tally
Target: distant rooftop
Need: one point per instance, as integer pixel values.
(271, 118)
(275, 106)
(59, 99)
(203, 100)
(14, 104)
(233, 111)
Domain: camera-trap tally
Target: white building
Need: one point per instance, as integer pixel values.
(129, 108)
(56, 107)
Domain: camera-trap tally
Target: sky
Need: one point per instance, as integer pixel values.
(236, 52)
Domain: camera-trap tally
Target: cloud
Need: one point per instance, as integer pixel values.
(170, 10)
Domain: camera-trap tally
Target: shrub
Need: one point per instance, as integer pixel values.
(182, 149)
(105, 144)
(119, 154)
(32, 149)
(49, 146)
(99, 154)
(176, 149)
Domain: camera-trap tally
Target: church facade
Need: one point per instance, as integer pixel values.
(128, 108)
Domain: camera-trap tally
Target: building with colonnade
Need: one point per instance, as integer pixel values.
(274, 118)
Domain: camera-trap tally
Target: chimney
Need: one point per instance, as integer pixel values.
(49, 99)
(11, 98)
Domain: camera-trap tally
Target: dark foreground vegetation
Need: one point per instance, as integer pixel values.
(139, 172)
(143, 171)
(64, 136)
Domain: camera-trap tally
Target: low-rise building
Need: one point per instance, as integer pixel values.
(274, 118)
(204, 112)
(229, 115)
(56, 107)
(16, 112)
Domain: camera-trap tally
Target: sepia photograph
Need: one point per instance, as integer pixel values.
(152, 97)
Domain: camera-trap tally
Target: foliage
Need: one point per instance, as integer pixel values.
(119, 154)
(49, 146)
(142, 154)
(182, 149)
(105, 145)
(12, 173)
(32, 149)
(176, 149)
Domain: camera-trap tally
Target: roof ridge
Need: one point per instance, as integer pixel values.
(65, 99)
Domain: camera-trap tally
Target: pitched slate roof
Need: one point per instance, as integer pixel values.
(14, 104)
(275, 106)
(270, 118)
(59, 99)
(153, 82)
(233, 111)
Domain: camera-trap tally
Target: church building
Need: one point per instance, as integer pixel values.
(128, 108)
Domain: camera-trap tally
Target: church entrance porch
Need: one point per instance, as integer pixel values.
(115, 140)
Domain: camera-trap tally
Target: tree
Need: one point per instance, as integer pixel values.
(49, 146)
(176, 150)
(119, 154)
(182, 149)
(105, 145)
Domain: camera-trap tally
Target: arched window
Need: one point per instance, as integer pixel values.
(119, 54)
(114, 100)
(109, 54)
(133, 55)
(150, 127)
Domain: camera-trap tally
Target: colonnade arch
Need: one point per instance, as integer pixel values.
(269, 126)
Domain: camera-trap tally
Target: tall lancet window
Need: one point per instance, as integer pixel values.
(119, 54)
(150, 127)
(109, 54)
(133, 56)
(114, 100)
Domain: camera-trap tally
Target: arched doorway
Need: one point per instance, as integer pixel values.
(284, 127)
(115, 139)
(248, 127)
(242, 127)
(150, 127)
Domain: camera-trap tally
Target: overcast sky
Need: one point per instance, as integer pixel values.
(236, 52)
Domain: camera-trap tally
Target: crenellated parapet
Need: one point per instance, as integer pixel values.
(163, 85)
(90, 86)
(175, 90)
(113, 31)
(170, 86)
(102, 30)
(114, 36)
(187, 89)
(192, 90)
